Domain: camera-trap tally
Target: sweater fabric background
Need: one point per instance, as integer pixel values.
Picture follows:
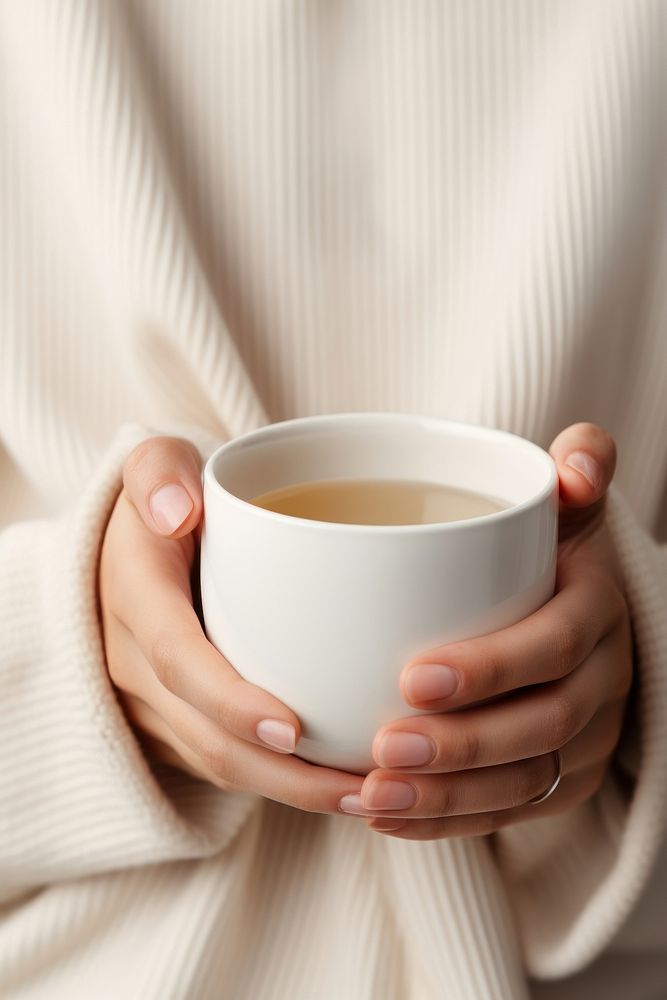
(216, 215)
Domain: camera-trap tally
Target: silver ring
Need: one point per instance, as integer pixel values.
(554, 784)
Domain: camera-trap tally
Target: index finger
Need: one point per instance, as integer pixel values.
(152, 600)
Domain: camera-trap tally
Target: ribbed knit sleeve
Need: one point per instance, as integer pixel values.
(77, 794)
(574, 880)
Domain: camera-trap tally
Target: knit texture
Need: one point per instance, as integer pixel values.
(218, 215)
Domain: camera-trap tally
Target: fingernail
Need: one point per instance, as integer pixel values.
(431, 682)
(169, 506)
(387, 825)
(405, 750)
(587, 466)
(352, 804)
(390, 795)
(277, 735)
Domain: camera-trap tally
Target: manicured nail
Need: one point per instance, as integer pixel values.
(587, 466)
(169, 507)
(391, 795)
(430, 682)
(277, 735)
(405, 750)
(352, 804)
(387, 825)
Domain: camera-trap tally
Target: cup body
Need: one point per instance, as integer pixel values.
(325, 615)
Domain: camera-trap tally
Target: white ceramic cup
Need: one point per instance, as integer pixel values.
(325, 615)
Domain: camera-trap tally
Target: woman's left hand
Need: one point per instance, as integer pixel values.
(563, 674)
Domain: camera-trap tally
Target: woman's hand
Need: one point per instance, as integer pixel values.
(185, 701)
(564, 673)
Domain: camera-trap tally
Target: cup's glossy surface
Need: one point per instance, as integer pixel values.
(325, 615)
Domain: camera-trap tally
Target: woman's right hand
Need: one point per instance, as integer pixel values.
(186, 702)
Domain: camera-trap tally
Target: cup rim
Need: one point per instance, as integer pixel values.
(464, 428)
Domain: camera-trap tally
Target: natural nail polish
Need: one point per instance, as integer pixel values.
(387, 825)
(587, 466)
(352, 804)
(390, 795)
(169, 507)
(405, 750)
(430, 682)
(277, 734)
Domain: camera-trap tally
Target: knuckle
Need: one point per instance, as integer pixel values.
(466, 751)
(229, 716)
(137, 458)
(446, 803)
(146, 457)
(165, 660)
(495, 673)
(216, 757)
(563, 721)
(571, 642)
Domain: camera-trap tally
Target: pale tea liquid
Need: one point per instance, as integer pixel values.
(378, 501)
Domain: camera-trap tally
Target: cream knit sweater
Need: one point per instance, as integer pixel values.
(220, 213)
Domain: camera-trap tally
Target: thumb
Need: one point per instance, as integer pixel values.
(162, 478)
(585, 457)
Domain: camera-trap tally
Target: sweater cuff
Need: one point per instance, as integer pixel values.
(80, 797)
(574, 879)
